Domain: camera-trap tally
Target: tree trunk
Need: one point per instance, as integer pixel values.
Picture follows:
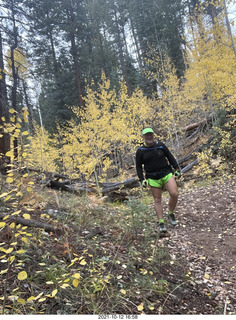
(229, 29)
(4, 137)
(72, 22)
(136, 43)
(121, 54)
(14, 71)
(29, 108)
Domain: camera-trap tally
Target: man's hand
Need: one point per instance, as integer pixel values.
(177, 174)
(144, 183)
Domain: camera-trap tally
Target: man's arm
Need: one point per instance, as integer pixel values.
(171, 158)
(139, 167)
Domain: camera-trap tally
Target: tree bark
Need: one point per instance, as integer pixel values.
(4, 112)
(74, 53)
(121, 53)
(229, 28)
(29, 108)
(14, 71)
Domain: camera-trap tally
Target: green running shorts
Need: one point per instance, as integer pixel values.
(160, 182)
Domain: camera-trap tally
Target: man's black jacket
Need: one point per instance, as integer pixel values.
(157, 161)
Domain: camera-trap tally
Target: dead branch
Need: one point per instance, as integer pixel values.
(189, 166)
(129, 183)
(194, 125)
(32, 223)
(67, 187)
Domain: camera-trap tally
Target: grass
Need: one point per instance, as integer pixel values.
(119, 271)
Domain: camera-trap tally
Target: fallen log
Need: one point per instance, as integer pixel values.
(105, 187)
(131, 182)
(189, 166)
(67, 187)
(194, 125)
(32, 223)
(49, 174)
(198, 149)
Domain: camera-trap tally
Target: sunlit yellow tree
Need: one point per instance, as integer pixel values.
(42, 152)
(211, 76)
(110, 123)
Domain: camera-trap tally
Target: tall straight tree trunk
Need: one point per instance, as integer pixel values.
(14, 70)
(29, 108)
(104, 62)
(73, 23)
(4, 137)
(77, 69)
(136, 43)
(56, 68)
(229, 28)
(121, 54)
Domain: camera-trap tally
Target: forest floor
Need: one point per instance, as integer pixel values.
(206, 242)
(122, 265)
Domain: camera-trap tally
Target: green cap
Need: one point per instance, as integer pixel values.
(147, 130)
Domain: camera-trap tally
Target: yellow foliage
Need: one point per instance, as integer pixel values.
(22, 275)
(109, 122)
(42, 152)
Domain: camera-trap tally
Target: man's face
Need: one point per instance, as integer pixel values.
(148, 139)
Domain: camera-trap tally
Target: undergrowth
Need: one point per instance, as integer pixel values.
(73, 271)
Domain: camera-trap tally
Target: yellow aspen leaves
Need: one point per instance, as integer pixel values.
(76, 275)
(123, 291)
(32, 298)
(12, 225)
(12, 110)
(75, 283)
(21, 301)
(25, 240)
(16, 213)
(2, 224)
(9, 180)
(54, 292)
(83, 262)
(39, 295)
(7, 198)
(140, 307)
(9, 250)
(42, 299)
(3, 194)
(22, 275)
(25, 114)
(20, 251)
(3, 271)
(26, 216)
(207, 276)
(64, 285)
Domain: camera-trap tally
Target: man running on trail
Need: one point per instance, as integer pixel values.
(158, 162)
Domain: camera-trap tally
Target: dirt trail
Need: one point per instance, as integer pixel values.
(206, 240)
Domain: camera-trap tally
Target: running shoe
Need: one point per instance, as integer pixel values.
(172, 219)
